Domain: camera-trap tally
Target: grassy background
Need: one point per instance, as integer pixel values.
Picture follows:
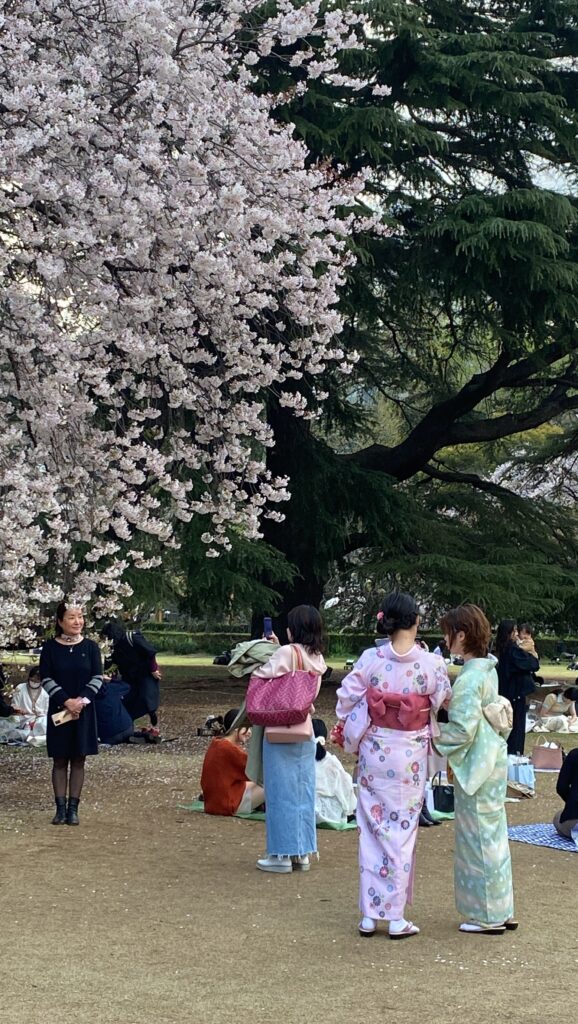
(179, 669)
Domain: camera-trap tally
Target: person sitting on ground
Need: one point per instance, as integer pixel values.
(225, 786)
(8, 731)
(6, 707)
(113, 721)
(558, 712)
(30, 702)
(567, 788)
(335, 799)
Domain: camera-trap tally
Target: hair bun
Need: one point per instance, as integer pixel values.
(398, 611)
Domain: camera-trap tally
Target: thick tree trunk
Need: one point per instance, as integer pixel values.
(298, 536)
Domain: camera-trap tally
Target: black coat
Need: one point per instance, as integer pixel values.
(6, 709)
(567, 786)
(515, 672)
(133, 656)
(74, 671)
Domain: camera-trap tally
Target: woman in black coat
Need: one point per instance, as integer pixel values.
(135, 659)
(515, 679)
(71, 672)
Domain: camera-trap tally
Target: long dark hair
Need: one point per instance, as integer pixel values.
(306, 627)
(398, 611)
(504, 636)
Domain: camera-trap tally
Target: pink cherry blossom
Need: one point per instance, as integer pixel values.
(162, 240)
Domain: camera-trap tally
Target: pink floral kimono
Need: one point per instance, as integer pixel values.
(387, 704)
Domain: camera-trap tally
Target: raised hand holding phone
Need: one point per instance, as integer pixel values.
(267, 627)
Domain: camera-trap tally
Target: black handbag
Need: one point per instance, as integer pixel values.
(443, 795)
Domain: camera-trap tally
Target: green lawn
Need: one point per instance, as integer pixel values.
(195, 662)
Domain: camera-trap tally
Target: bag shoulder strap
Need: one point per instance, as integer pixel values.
(297, 657)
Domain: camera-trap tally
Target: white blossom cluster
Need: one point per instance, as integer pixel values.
(167, 258)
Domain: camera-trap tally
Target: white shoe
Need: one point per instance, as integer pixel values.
(301, 863)
(367, 926)
(282, 865)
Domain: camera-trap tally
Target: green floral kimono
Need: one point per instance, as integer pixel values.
(479, 759)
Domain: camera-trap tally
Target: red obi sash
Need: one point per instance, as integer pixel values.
(407, 712)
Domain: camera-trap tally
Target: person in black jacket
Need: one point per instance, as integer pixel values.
(135, 659)
(515, 679)
(567, 789)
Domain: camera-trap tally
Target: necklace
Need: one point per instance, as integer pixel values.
(69, 641)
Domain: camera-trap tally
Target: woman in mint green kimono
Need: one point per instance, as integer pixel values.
(478, 757)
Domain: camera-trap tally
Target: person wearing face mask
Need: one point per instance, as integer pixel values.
(30, 702)
(71, 672)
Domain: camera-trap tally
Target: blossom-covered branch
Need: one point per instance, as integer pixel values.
(167, 257)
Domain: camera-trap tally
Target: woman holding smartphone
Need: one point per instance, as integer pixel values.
(71, 673)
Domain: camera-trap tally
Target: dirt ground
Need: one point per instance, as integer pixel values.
(147, 912)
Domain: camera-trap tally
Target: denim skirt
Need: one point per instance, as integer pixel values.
(289, 778)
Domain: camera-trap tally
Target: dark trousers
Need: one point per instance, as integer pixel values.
(517, 737)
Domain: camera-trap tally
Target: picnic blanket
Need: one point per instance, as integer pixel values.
(541, 835)
(335, 826)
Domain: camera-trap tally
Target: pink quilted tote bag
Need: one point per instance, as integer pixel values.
(285, 700)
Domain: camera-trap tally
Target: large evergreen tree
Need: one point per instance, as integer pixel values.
(462, 303)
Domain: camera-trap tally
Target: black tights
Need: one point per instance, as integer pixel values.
(60, 773)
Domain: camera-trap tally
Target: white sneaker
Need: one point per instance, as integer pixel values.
(282, 865)
(301, 863)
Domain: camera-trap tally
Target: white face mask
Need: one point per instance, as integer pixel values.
(34, 686)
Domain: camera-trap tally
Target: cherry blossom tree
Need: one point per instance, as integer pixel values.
(168, 259)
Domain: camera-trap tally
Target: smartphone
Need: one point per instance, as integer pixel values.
(267, 626)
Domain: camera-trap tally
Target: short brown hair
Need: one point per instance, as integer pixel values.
(471, 620)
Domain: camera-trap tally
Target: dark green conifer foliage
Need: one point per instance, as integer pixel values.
(463, 311)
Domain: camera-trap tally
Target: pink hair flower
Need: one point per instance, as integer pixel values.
(379, 616)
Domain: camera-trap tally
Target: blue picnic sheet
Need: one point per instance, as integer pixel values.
(541, 835)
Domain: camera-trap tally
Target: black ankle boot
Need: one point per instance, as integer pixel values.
(72, 812)
(60, 816)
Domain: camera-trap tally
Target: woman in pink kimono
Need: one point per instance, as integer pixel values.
(387, 705)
